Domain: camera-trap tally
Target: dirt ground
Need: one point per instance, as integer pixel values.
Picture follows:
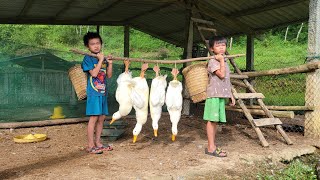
(62, 155)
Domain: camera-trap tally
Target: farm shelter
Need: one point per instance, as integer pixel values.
(171, 22)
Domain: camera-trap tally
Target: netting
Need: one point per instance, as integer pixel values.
(35, 80)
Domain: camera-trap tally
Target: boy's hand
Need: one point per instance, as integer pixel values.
(144, 67)
(109, 59)
(100, 56)
(233, 101)
(219, 57)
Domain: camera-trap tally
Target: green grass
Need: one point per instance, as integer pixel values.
(270, 52)
(302, 168)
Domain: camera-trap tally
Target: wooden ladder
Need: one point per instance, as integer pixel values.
(255, 123)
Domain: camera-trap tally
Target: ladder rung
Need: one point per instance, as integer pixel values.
(267, 121)
(238, 76)
(248, 95)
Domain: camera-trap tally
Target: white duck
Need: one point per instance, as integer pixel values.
(123, 93)
(157, 98)
(140, 96)
(174, 102)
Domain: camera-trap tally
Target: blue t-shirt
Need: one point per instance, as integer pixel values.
(96, 86)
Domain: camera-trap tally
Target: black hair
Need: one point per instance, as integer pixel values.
(217, 39)
(90, 35)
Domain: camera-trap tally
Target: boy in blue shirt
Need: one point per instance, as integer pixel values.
(97, 106)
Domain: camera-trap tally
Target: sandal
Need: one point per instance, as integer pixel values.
(216, 153)
(94, 150)
(105, 148)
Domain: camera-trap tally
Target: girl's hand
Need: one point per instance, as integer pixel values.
(233, 101)
(219, 57)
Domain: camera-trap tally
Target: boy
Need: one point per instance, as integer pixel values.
(97, 106)
(219, 89)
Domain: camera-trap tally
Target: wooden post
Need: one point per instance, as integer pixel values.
(126, 41)
(250, 53)
(187, 54)
(250, 60)
(312, 96)
(98, 29)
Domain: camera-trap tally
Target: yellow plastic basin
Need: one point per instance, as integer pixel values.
(27, 138)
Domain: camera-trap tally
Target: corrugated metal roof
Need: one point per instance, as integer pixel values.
(165, 19)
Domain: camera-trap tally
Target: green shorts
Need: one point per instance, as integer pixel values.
(214, 110)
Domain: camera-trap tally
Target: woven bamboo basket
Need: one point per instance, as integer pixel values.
(79, 81)
(196, 77)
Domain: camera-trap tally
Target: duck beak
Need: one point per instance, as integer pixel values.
(134, 138)
(155, 132)
(173, 138)
(112, 121)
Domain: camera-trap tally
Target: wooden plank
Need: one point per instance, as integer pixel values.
(308, 67)
(261, 103)
(283, 108)
(267, 121)
(237, 76)
(207, 29)
(202, 21)
(248, 95)
(248, 115)
(280, 114)
(238, 83)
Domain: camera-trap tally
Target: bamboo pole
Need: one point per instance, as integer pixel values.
(280, 114)
(283, 108)
(291, 70)
(156, 61)
(54, 122)
(238, 83)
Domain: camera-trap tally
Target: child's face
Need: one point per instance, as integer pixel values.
(219, 48)
(94, 45)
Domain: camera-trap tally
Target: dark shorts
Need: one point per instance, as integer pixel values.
(97, 105)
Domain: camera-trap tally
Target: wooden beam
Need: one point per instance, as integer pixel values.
(148, 12)
(280, 114)
(282, 108)
(98, 29)
(265, 7)
(172, 32)
(202, 21)
(145, 29)
(250, 53)
(207, 29)
(126, 41)
(103, 9)
(64, 9)
(237, 76)
(308, 67)
(245, 28)
(248, 95)
(25, 8)
(238, 83)
(58, 22)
